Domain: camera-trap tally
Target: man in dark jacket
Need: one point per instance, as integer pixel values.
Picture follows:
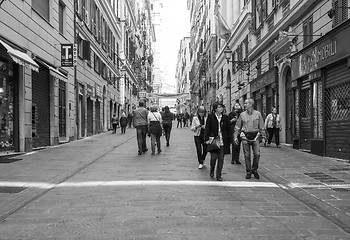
(167, 118)
(218, 127)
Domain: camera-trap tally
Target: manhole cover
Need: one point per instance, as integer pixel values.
(12, 189)
(325, 178)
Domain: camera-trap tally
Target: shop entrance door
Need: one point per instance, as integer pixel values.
(62, 108)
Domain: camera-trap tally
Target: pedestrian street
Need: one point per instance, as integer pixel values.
(100, 188)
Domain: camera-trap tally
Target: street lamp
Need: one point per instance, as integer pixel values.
(244, 65)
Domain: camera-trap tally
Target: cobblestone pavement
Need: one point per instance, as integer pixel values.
(99, 188)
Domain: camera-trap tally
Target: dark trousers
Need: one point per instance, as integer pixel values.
(167, 130)
(114, 127)
(123, 128)
(155, 140)
(201, 148)
(236, 149)
(217, 156)
(141, 132)
(179, 122)
(274, 132)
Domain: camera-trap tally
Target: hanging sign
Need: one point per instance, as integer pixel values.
(68, 55)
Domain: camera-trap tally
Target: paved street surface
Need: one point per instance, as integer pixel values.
(99, 188)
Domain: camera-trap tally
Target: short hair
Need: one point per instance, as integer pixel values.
(166, 108)
(201, 109)
(216, 105)
(154, 108)
(250, 100)
(141, 104)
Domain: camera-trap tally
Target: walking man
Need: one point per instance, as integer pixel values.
(249, 127)
(140, 122)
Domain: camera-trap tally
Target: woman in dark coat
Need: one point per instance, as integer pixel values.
(123, 122)
(218, 126)
(233, 116)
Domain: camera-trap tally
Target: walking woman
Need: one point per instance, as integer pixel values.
(198, 126)
(218, 127)
(155, 128)
(233, 116)
(123, 122)
(167, 118)
(273, 126)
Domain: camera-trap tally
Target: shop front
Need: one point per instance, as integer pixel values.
(263, 91)
(321, 72)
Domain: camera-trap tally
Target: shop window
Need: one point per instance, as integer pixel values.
(337, 101)
(42, 8)
(339, 12)
(305, 103)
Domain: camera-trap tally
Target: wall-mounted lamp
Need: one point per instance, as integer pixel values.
(244, 65)
(331, 12)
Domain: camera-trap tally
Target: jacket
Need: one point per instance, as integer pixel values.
(195, 125)
(269, 121)
(140, 117)
(212, 130)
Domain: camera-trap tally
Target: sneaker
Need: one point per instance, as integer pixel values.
(200, 166)
(256, 175)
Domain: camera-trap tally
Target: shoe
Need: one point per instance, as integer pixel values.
(256, 175)
(204, 164)
(268, 145)
(139, 153)
(232, 162)
(279, 146)
(159, 151)
(145, 150)
(248, 176)
(152, 153)
(200, 166)
(167, 144)
(238, 162)
(211, 175)
(219, 179)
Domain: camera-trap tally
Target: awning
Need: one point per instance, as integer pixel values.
(20, 57)
(53, 71)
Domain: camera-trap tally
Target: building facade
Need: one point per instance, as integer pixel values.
(68, 66)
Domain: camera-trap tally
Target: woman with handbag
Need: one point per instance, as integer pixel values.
(155, 128)
(218, 136)
(273, 126)
(197, 127)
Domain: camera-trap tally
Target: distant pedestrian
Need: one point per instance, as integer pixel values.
(218, 127)
(155, 128)
(179, 120)
(115, 123)
(233, 116)
(129, 119)
(249, 127)
(198, 128)
(167, 118)
(123, 123)
(140, 122)
(273, 126)
(185, 119)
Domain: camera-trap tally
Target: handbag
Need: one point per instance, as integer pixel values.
(214, 145)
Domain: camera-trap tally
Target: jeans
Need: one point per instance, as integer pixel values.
(247, 147)
(167, 130)
(201, 148)
(179, 122)
(123, 128)
(141, 132)
(274, 131)
(155, 140)
(219, 156)
(114, 127)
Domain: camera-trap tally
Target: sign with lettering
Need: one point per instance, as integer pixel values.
(68, 55)
(264, 80)
(321, 54)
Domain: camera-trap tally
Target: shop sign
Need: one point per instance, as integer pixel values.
(68, 55)
(328, 51)
(264, 80)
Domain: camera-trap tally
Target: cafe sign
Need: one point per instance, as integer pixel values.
(322, 54)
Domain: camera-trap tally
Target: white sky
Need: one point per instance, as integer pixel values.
(175, 26)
